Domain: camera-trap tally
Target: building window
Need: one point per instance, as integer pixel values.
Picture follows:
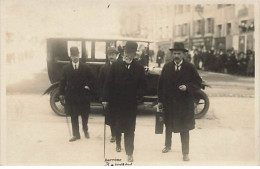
(187, 8)
(220, 5)
(179, 30)
(210, 25)
(251, 27)
(219, 30)
(243, 27)
(161, 33)
(176, 9)
(228, 28)
(185, 29)
(198, 27)
(180, 9)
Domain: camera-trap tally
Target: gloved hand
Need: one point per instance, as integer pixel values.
(105, 105)
(160, 111)
(62, 99)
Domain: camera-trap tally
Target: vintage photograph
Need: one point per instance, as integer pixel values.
(130, 83)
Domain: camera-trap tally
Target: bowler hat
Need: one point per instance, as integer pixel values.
(178, 46)
(130, 47)
(74, 51)
(111, 50)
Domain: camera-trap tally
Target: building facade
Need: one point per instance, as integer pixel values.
(219, 26)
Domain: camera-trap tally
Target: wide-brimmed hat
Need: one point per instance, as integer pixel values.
(111, 50)
(130, 47)
(178, 46)
(74, 51)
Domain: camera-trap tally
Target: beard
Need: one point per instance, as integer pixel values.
(127, 60)
(177, 59)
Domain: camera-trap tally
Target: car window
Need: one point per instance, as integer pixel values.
(100, 50)
(88, 49)
(76, 44)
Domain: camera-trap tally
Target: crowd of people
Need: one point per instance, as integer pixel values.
(229, 61)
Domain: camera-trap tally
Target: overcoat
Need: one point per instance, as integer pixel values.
(72, 86)
(178, 105)
(122, 90)
(102, 77)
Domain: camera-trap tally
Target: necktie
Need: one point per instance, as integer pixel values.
(177, 67)
(75, 67)
(127, 65)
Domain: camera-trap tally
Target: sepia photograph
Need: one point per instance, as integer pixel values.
(129, 83)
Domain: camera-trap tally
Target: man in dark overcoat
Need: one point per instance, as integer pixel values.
(160, 56)
(177, 83)
(75, 88)
(124, 87)
(112, 54)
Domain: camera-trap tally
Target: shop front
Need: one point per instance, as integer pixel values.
(201, 42)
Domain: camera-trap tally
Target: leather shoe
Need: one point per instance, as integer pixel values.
(74, 138)
(130, 158)
(113, 139)
(86, 134)
(186, 157)
(166, 149)
(118, 148)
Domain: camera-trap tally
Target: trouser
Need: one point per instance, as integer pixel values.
(113, 130)
(75, 121)
(128, 140)
(184, 140)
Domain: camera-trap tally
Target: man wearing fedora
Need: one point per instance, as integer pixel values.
(112, 55)
(76, 85)
(124, 87)
(177, 83)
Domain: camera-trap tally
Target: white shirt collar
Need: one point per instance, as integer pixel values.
(179, 63)
(77, 64)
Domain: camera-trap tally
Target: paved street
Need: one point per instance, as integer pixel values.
(224, 136)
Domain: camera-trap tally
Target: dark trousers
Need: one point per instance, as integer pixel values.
(184, 140)
(113, 130)
(128, 140)
(75, 112)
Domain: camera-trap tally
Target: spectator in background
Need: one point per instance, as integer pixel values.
(218, 61)
(196, 59)
(223, 57)
(230, 63)
(160, 56)
(144, 59)
(151, 55)
(239, 69)
(251, 65)
(244, 61)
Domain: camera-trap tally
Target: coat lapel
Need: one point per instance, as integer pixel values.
(181, 72)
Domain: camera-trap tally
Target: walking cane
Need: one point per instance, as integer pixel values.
(66, 114)
(104, 132)
(68, 124)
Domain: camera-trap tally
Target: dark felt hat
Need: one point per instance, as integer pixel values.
(111, 50)
(131, 47)
(74, 51)
(178, 46)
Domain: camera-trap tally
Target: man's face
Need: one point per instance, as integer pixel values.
(112, 57)
(74, 58)
(129, 56)
(177, 56)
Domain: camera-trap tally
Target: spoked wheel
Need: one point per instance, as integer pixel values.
(201, 104)
(56, 104)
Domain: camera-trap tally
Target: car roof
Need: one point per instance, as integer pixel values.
(102, 39)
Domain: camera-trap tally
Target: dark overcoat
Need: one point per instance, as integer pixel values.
(102, 77)
(178, 105)
(122, 89)
(72, 86)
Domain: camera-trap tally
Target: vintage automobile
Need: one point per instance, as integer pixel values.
(93, 53)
